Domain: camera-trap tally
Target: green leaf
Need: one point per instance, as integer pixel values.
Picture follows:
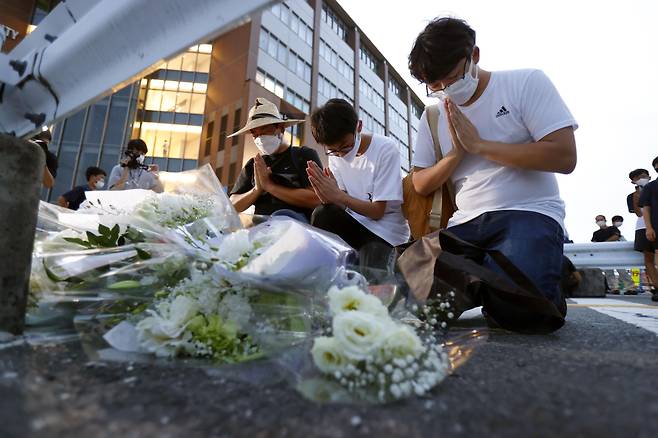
(105, 231)
(51, 274)
(92, 238)
(78, 241)
(144, 255)
(125, 284)
(114, 234)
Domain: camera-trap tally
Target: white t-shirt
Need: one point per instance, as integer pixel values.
(137, 179)
(517, 106)
(640, 225)
(375, 176)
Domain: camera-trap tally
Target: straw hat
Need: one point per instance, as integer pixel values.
(264, 113)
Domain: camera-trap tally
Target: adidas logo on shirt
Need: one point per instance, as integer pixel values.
(502, 112)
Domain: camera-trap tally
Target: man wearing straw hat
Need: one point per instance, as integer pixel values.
(275, 180)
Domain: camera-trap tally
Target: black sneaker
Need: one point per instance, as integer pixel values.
(630, 292)
(654, 296)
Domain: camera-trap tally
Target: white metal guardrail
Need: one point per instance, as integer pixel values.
(604, 255)
(85, 49)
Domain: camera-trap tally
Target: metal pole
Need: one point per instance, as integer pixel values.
(21, 172)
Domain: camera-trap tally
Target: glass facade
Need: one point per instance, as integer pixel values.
(94, 136)
(170, 111)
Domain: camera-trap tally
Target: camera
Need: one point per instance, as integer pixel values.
(134, 162)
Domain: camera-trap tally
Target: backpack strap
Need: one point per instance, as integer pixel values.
(447, 189)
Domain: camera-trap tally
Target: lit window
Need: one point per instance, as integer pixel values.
(203, 63)
(157, 84)
(205, 48)
(198, 102)
(171, 85)
(200, 88)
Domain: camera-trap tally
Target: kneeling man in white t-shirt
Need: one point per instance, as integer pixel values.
(504, 135)
(361, 192)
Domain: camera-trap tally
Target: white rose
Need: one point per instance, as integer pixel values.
(234, 246)
(327, 355)
(359, 334)
(400, 343)
(352, 298)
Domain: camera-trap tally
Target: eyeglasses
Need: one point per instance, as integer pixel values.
(435, 93)
(337, 152)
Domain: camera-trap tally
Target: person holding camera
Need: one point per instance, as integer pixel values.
(132, 173)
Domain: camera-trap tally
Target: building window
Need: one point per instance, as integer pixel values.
(293, 22)
(369, 59)
(367, 90)
(395, 88)
(336, 61)
(268, 82)
(209, 131)
(223, 125)
(297, 100)
(172, 103)
(218, 172)
(271, 44)
(236, 125)
(416, 110)
(335, 23)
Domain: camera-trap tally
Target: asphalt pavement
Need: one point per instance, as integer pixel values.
(596, 377)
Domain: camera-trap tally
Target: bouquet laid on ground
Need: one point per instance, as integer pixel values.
(372, 355)
(175, 275)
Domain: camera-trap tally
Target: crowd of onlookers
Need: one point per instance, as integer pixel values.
(643, 202)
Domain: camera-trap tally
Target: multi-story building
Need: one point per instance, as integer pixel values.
(298, 53)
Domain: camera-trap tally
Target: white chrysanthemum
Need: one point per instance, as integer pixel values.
(359, 333)
(161, 333)
(234, 246)
(328, 356)
(401, 342)
(352, 298)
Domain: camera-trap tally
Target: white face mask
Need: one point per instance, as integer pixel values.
(100, 183)
(349, 157)
(140, 159)
(617, 224)
(462, 90)
(268, 144)
(642, 182)
(600, 223)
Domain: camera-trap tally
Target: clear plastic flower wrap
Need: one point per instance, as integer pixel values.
(369, 353)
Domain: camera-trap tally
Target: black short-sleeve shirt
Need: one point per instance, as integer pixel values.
(604, 234)
(649, 198)
(288, 169)
(76, 196)
(51, 159)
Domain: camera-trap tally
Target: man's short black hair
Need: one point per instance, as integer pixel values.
(439, 47)
(617, 219)
(93, 171)
(44, 136)
(654, 162)
(332, 121)
(600, 215)
(637, 172)
(138, 143)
